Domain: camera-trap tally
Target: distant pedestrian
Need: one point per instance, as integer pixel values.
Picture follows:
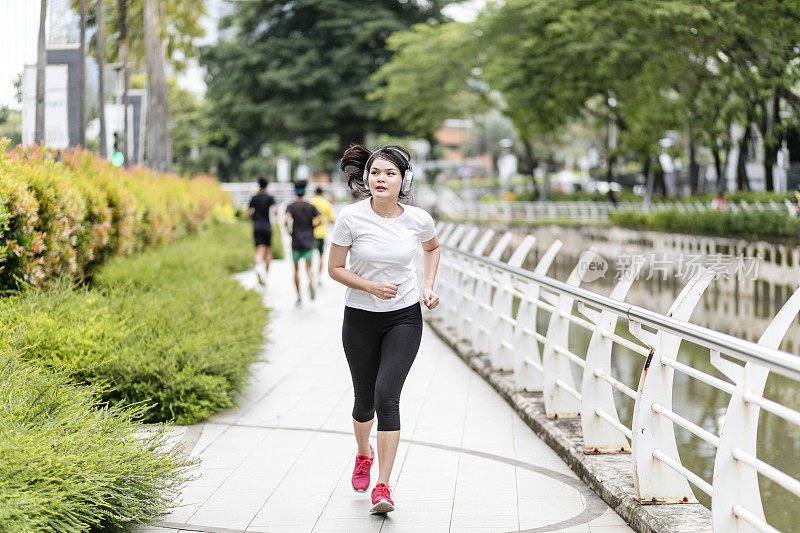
(326, 215)
(259, 210)
(720, 203)
(301, 217)
(382, 325)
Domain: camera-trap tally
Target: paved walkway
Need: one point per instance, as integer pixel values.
(282, 460)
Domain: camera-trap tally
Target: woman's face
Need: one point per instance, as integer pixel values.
(385, 179)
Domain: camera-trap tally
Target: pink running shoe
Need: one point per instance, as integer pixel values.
(381, 499)
(361, 471)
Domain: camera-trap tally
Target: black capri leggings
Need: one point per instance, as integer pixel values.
(380, 349)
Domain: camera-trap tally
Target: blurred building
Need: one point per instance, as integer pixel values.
(453, 137)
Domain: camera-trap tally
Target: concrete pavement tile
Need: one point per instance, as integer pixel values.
(508, 522)
(403, 516)
(483, 529)
(400, 494)
(180, 514)
(210, 477)
(231, 519)
(609, 518)
(475, 509)
(391, 527)
(236, 500)
(366, 523)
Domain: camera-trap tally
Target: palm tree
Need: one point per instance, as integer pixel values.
(158, 151)
(82, 78)
(122, 8)
(41, 63)
(101, 42)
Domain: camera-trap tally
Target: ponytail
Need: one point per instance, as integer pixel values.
(354, 161)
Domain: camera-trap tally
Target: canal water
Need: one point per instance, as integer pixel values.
(742, 309)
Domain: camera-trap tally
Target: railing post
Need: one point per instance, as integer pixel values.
(469, 319)
(557, 372)
(597, 395)
(736, 484)
(463, 287)
(527, 356)
(656, 482)
(448, 277)
(497, 328)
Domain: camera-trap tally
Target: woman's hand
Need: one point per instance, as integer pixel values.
(430, 298)
(385, 290)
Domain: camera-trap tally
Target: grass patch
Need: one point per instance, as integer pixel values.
(72, 464)
(167, 327)
(752, 224)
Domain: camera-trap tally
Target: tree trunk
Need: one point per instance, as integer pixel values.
(82, 77)
(41, 63)
(152, 151)
(163, 103)
(772, 141)
(659, 183)
(648, 175)
(532, 163)
(101, 108)
(694, 169)
(722, 184)
(742, 182)
(122, 7)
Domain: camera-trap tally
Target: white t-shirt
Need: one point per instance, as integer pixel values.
(382, 249)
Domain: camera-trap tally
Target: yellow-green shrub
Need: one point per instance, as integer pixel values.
(63, 213)
(72, 463)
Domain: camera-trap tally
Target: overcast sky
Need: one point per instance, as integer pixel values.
(19, 26)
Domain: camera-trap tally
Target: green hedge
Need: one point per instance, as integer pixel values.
(168, 327)
(70, 463)
(759, 224)
(63, 213)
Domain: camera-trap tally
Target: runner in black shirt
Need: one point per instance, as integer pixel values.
(260, 206)
(301, 217)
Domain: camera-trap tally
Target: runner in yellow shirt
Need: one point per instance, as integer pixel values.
(326, 211)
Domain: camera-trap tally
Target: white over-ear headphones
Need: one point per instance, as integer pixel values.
(408, 175)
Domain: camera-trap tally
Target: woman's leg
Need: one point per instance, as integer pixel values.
(362, 343)
(398, 350)
(361, 430)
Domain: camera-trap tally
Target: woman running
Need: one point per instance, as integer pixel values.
(382, 324)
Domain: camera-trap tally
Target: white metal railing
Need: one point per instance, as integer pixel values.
(494, 305)
(454, 207)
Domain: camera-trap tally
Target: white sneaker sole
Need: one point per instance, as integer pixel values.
(382, 506)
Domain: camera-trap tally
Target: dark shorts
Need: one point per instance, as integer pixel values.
(262, 237)
(321, 246)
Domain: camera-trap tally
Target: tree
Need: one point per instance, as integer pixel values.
(41, 63)
(82, 76)
(302, 69)
(122, 21)
(158, 153)
(100, 52)
(11, 125)
(433, 75)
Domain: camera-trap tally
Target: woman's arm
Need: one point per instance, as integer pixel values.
(430, 260)
(336, 269)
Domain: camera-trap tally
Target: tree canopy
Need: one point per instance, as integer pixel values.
(650, 65)
(302, 70)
